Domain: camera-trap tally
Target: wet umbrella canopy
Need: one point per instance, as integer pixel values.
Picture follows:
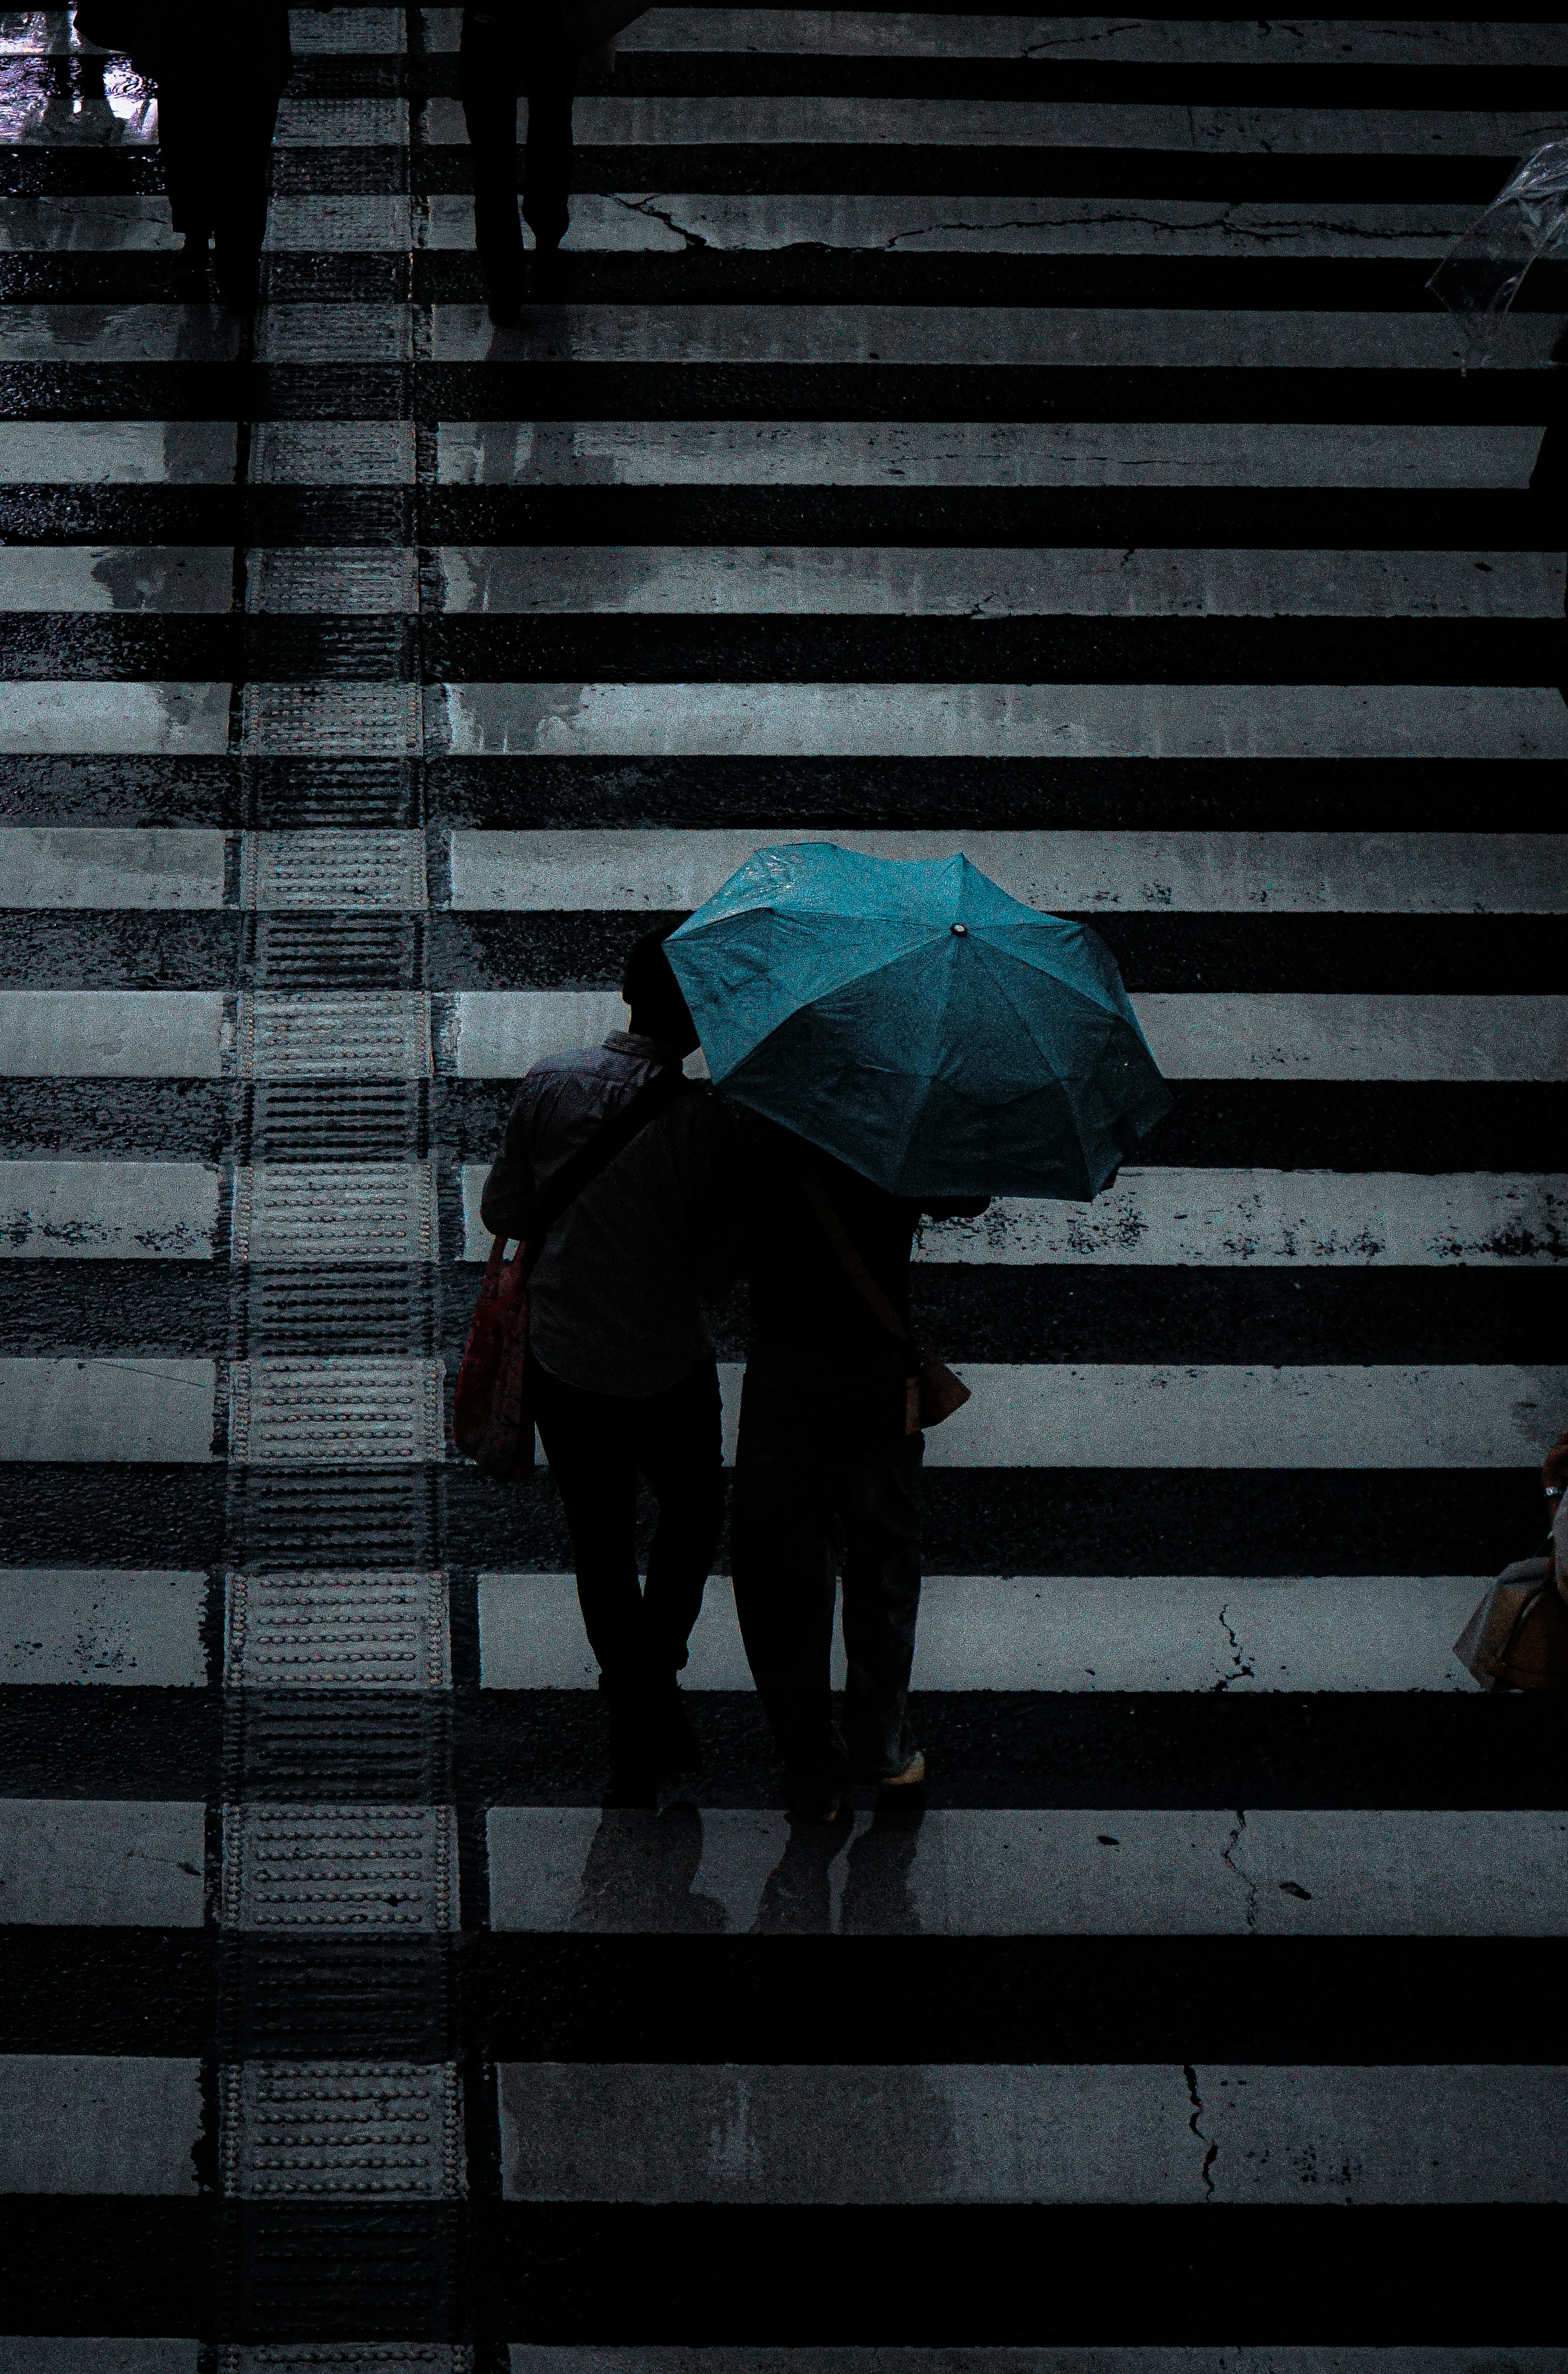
(912, 1018)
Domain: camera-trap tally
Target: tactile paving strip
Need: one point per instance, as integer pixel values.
(334, 333)
(334, 1212)
(358, 1517)
(335, 1413)
(340, 2127)
(352, 1035)
(342, 124)
(358, 580)
(361, 1867)
(332, 454)
(374, 719)
(331, 869)
(336, 1631)
(346, 2357)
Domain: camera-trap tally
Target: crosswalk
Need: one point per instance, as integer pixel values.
(1022, 432)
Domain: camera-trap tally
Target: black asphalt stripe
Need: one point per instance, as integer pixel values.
(1138, 1521)
(593, 391)
(136, 647)
(934, 2278)
(108, 1991)
(873, 2001)
(1040, 1749)
(193, 1119)
(203, 391)
(93, 276)
(780, 796)
(764, 167)
(768, 648)
(71, 171)
(809, 2001)
(807, 274)
(257, 515)
(340, 171)
(1314, 518)
(1222, 1125)
(184, 1309)
(1374, 955)
(106, 2263)
(168, 1518)
(1181, 1750)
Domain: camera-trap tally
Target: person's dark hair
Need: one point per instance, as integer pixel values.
(651, 990)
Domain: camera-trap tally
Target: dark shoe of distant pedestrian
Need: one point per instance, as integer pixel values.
(538, 49)
(1518, 1639)
(620, 1375)
(832, 1439)
(219, 74)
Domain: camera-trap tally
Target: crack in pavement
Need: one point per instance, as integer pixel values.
(1250, 1884)
(1211, 2150)
(646, 208)
(1239, 1671)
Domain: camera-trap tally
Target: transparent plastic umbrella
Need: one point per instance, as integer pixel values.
(1479, 277)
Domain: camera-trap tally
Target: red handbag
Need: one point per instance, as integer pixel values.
(491, 1423)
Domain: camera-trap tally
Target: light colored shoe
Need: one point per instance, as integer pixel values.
(912, 1777)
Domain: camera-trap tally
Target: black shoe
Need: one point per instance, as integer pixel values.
(239, 284)
(191, 267)
(678, 1750)
(505, 307)
(550, 276)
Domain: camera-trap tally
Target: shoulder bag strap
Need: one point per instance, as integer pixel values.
(855, 1269)
(611, 1137)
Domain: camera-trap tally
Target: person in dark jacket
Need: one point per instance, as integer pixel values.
(823, 1457)
(506, 50)
(220, 75)
(621, 1377)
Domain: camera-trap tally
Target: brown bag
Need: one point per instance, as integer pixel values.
(931, 1391)
(1518, 1639)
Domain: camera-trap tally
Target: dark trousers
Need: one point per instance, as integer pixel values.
(497, 62)
(215, 146)
(597, 1445)
(802, 1484)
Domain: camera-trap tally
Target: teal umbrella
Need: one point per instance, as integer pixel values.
(913, 1020)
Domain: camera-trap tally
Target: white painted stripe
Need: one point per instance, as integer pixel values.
(661, 224)
(974, 583)
(860, 121)
(335, 1412)
(1123, 1415)
(93, 223)
(175, 721)
(1085, 1633)
(102, 1624)
(1158, 873)
(302, 1212)
(497, 1034)
(116, 577)
(855, 32)
(95, 1410)
(981, 721)
(363, 579)
(327, 33)
(97, 2122)
(82, 2354)
(117, 333)
(1242, 1220)
(1106, 1872)
(168, 866)
(1043, 337)
(83, 1860)
(113, 1033)
(552, 2358)
(1267, 1219)
(974, 453)
(882, 2135)
(335, 333)
(107, 1211)
(116, 452)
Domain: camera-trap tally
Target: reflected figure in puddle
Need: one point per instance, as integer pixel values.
(640, 1875)
(878, 1900)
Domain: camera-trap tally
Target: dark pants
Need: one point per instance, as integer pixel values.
(497, 62)
(597, 1444)
(802, 1484)
(215, 146)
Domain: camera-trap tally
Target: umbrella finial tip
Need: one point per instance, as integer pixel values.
(959, 931)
